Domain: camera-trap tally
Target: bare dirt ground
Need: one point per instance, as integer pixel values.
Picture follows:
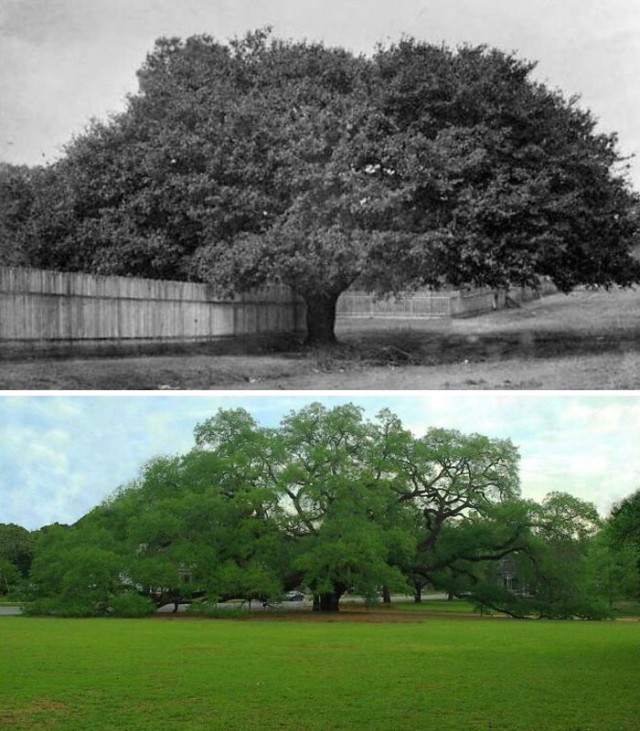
(585, 340)
(371, 616)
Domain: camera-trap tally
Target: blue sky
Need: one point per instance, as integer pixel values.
(65, 61)
(60, 455)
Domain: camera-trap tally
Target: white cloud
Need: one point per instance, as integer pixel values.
(62, 455)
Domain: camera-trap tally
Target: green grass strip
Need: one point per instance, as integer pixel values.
(139, 675)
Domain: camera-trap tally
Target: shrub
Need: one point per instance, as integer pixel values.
(131, 604)
(53, 606)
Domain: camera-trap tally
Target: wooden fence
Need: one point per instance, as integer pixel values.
(413, 305)
(45, 310)
(432, 305)
(48, 306)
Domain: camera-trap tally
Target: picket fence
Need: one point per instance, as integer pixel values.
(433, 305)
(37, 305)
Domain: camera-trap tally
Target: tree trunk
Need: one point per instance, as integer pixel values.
(417, 595)
(321, 319)
(327, 602)
(386, 595)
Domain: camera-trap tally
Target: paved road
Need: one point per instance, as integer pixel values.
(257, 606)
(9, 611)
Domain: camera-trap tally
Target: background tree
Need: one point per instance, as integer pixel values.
(16, 198)
(17, 546)
(263, 160)
(38, 219)
(75, 569)
(625, 520)
(624, 526)
(613, 569)
(563, 530)
(9, 576)
(552, 573)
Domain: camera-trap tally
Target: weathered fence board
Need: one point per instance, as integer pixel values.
(40, 305)
(43, 308)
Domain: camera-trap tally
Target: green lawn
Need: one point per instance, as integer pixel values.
(435, 673)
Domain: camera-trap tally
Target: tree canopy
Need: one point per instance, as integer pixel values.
(624, 524)
(268, 160)
(331, 503)
(625, 520)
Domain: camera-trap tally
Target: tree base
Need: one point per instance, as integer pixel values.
(328, 602)
(321, 320)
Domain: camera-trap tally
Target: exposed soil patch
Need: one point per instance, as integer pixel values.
(373, 616)
(346, 614)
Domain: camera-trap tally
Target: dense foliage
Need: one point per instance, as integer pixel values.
(16, 553)
(625, 527)
(332, 503)
(263, 160)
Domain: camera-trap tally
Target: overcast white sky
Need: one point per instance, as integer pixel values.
(65, 61)
(60, 455)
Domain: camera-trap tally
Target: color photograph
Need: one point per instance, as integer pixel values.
(333, 560)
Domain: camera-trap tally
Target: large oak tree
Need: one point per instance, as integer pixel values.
(264, 160)
(327, 501)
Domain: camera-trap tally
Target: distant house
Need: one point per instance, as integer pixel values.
(509, 580)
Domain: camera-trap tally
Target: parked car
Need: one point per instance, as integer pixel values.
(293, 596)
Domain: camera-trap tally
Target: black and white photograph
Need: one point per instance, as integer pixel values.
(320, 195)
(320, 365)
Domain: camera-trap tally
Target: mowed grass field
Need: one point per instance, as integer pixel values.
(585, 340)
(431, 673)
